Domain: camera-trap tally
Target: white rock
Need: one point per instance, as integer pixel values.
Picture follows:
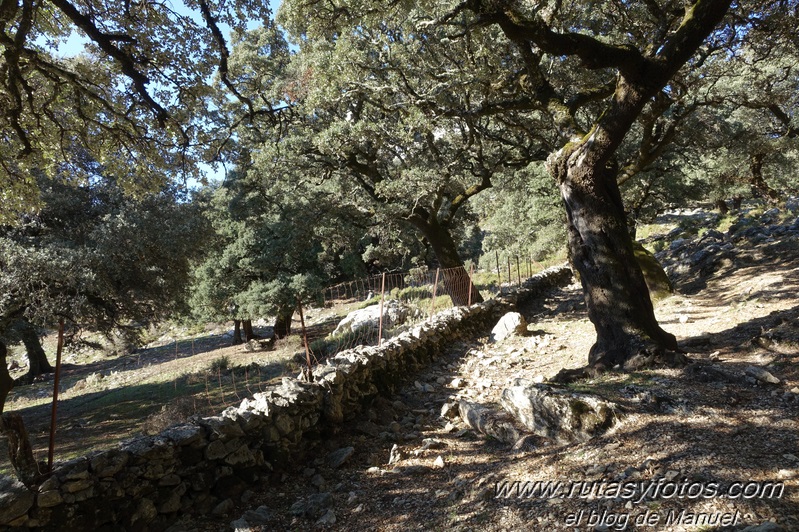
(511, 324)
(394, 313)
(761, 375)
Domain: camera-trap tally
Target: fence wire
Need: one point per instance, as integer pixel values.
(382, 306)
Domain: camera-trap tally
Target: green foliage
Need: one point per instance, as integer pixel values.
(97, 258)
(137, 99)
(523, 218)
(267, 252)
(219, 364)
(370, 128)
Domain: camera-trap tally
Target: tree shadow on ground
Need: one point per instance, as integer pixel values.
(755, 260)
(776, 333)
(99, 419)
(706, 455)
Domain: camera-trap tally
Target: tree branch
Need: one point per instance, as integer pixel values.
(224, 54)
(126, 62)
(594, 53)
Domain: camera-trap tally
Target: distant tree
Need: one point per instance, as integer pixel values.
(273, 246)
(372, 109)
(96, 258)
(522, 217)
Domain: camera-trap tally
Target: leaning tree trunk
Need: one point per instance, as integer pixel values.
(758, 183)
(6, 382)
(283, 322)
(601, 250)
(454, 275)
(20, 451)
(37, 359)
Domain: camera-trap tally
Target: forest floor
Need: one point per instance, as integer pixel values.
(714, 432)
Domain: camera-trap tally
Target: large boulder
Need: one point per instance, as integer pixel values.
(487, 421)
(511, 324)
(557, 413)
(366, 319)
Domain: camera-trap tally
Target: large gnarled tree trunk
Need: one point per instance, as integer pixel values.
(601, 249)
(599, 241)
(455, 277)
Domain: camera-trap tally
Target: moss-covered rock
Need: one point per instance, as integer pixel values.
(656, 279)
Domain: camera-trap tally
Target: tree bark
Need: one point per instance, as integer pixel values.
(455, 277)
(248, 333)
(759, 186)
(283, 322)
(237, 332)
(6, 382)
(20, 452)
(599, 241)
(37, 359)
(601, 250)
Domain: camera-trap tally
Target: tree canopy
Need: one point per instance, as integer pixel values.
(139, 98)
(399, 128)
(97, 259)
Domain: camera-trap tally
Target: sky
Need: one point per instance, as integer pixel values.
(74, 45)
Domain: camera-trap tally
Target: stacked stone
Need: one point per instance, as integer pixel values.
(202, 465)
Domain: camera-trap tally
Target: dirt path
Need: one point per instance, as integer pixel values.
(686, 428)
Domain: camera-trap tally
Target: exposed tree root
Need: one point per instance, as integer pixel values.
(641, 360)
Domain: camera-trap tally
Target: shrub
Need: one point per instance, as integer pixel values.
(176, 411)
(220, 364)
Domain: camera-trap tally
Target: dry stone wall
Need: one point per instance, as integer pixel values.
(203, 465)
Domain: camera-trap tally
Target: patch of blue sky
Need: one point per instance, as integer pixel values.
(76, 43)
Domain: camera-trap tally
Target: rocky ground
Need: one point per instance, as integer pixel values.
(712, 446)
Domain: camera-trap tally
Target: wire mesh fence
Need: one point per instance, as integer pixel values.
(382, 306)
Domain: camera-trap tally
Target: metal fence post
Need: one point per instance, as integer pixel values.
(435, 289)
(499, 275)
(308, 374)
(471, 274)
(51, 448)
